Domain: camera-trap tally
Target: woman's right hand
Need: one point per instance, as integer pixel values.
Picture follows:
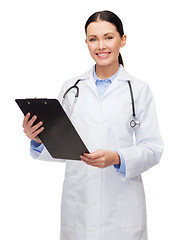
(30, 130)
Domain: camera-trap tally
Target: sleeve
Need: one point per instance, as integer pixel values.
(120, 167)
(148, 146)
(35, 149)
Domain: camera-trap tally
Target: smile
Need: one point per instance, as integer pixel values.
(103, 54)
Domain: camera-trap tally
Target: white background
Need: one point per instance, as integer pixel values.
(41, 45)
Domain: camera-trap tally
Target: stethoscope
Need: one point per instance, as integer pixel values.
(134, 123)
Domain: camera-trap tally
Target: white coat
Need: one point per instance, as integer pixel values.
(103, 204)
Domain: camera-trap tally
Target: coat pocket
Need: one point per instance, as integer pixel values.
(135, 219)
(131, 206)
(68, 205)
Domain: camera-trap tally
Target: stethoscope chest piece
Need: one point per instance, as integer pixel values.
(135, 123)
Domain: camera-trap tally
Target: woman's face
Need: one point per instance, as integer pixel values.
(104, 42)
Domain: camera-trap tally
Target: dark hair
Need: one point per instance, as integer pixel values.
(109, 17)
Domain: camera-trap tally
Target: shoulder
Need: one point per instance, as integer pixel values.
(125, 76)
(69, 83)
(140, 88)
(73, 80)
(137, 84)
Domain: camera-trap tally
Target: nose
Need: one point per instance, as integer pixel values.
(101, 45)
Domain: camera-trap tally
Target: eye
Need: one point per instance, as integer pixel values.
(109, 38)
(92, 40)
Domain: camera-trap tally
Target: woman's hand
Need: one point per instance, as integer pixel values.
(30, 130)
(101, 158)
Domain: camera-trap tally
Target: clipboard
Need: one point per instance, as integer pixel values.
(59, 135)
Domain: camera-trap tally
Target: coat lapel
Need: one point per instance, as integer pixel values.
(89, 81)
(123, 76)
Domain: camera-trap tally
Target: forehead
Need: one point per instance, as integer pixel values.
(100, 28)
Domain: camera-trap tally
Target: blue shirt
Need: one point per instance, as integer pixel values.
(35, 148)
(102, 86)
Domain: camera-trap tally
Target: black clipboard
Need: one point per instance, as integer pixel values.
(59, 135)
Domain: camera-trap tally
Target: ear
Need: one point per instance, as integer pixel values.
(86, 40)
(123, 40)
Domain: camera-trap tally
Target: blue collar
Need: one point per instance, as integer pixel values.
(97, 78)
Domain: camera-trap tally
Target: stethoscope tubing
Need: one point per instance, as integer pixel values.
(74, 86)
(132, 99)
(134, 123)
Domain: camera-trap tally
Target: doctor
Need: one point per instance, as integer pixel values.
(103, 195)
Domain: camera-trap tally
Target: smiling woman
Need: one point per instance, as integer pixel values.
(103, 195)
(104, 46)
(104, 40)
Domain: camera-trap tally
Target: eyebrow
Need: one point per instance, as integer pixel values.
(104, 34)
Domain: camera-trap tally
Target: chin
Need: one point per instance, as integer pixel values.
(103, 63)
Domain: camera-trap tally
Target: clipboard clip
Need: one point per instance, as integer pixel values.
(36, 98)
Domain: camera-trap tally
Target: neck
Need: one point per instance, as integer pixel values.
(105, 72)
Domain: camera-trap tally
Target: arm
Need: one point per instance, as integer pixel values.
(37, 149)
(120, 166)
(105, 158)
(149, 146)
(147, 150)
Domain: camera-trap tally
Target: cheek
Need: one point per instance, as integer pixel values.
(91, 48)
(115, 46)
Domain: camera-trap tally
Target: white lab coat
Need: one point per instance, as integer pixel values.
(103, 204)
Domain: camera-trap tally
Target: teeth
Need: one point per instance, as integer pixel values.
(102, 54)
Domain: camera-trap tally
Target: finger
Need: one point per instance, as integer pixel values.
(30, 123)
(89, 155)
(35, 127)
(95, 164)
(35, 134)
(94, 155)
(25, 121)
(85, 158)
(89, 161)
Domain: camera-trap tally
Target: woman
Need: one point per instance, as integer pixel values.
(103, 195)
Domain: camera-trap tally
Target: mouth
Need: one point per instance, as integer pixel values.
(103, 54)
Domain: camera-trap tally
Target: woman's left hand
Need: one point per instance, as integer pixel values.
(101, 158)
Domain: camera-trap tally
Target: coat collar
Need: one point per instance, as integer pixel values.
(123, 75)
